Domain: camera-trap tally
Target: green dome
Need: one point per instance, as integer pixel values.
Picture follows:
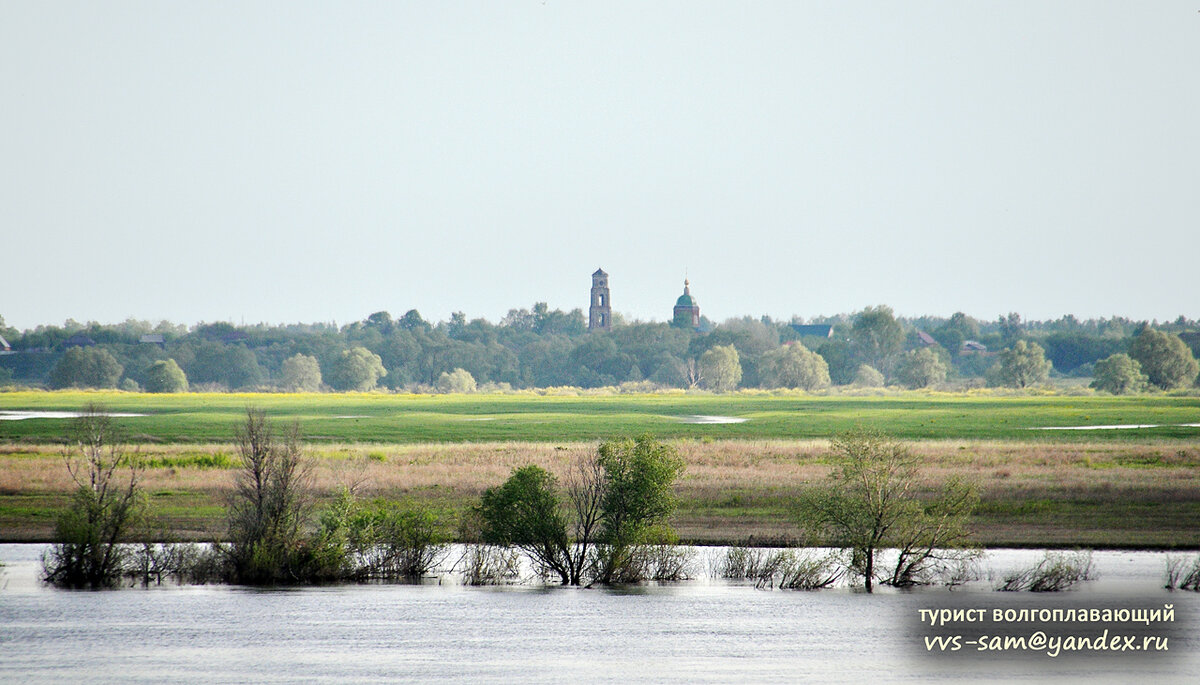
(686, 299)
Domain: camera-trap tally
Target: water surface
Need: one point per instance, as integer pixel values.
(698, 631)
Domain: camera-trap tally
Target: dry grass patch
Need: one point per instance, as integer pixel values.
(730, 489)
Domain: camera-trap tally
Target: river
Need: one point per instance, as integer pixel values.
(705, 630)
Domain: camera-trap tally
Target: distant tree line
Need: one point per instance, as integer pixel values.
(541, 348)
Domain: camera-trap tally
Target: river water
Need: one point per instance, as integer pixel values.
(703, 630)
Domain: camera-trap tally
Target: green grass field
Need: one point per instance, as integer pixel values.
(381, 418)
(1103, 488)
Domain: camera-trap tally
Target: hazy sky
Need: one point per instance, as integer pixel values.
(293, 161)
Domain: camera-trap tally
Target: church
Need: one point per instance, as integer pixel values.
(685, 315)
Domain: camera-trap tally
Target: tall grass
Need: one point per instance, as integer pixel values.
(1089, 493)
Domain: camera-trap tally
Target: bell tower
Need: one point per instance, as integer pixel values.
(600, 312)
(687, 310)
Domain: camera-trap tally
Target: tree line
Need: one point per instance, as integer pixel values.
(540, 348)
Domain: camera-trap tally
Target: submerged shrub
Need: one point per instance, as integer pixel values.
(488, 565)
(662, 560)
(787, 569)
(748, 563)
(960, 571)
(1056, 571)
(379, 540)
(107, 506)
(806, 571)
(1182, 576)
(269, 507)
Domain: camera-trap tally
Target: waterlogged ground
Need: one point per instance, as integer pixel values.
(700, 631)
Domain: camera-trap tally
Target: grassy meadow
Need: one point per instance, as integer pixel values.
(527, 417)
(1099, 488)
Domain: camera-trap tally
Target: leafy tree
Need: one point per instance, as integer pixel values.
(166, 376)
(300, 373)
(8, 333)
(525, 512)
(1119, 374)
(620, 498)
(381, 321)
(867, 377)
(86, 367)
(106, 506)
(669, 371)
(412, 321)
(1165, 359)
(545, 362)
(456, 381)
(841, 359)
(356, 369)
(794, 366)
(558, 322)
(638, 496)
(720, 368)
(1020, 366)
(1011, 327)
(870, 503)
(955, 331)
(921, 368)
(1068, 351)
(241, 368)
(599, 362)
(876, 337)
(232, 366)
(931, 536)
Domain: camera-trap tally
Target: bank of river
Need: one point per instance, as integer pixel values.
(705, 630)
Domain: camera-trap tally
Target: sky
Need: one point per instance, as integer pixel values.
(314, 162)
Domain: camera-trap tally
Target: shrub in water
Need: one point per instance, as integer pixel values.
(1056, 571)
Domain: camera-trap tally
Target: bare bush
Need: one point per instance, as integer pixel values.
(662, 562)
(106, 506)
(1056, 571)
(1180, 575)
(270, 505)
(749, 563)
(806, 571)
(488, 565)
(961, 570)
(150, 562)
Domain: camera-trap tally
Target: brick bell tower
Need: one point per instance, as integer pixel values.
(600, 313)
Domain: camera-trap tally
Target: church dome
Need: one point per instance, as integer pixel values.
(686, 299)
